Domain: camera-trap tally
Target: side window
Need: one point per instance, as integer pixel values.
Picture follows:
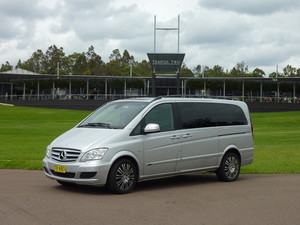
(230, 115)
(196, 115)
(162, 115)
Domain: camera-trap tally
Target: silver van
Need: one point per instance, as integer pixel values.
(131, 140)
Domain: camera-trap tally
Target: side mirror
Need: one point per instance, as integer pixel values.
(152, 128)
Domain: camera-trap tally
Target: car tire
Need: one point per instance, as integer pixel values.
(122, 177)
(229, 169)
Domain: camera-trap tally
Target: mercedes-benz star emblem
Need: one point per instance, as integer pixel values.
(63, 155)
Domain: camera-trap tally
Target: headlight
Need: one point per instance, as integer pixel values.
(94, 154)
(48, 152)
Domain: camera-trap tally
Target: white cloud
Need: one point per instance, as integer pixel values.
(260, 33)
(254, 7)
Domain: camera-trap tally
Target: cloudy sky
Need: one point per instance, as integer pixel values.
(262, 33)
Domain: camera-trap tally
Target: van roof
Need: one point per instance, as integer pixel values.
(181, 98)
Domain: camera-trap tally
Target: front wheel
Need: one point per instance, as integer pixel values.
(122, 177)
(229, 169)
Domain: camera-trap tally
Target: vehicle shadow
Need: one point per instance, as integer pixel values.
(145, 186)
(177, 181)
(81, 189)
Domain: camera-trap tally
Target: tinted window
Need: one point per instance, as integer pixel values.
(194, 115)
(229, 115)
(161, 114)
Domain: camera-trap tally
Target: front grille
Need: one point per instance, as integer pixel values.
(65, 154)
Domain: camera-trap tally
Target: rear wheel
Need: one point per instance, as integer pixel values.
(122, 177)
(229, 169)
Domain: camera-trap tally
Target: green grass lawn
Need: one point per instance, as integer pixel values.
(277, 143)
(25, 133)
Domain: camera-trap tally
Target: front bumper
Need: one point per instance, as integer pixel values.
(86, 173)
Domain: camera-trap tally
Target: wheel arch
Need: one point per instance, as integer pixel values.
(230, 149)
(233, 150)
(126, 155)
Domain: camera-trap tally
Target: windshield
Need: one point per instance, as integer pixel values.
(114, 115)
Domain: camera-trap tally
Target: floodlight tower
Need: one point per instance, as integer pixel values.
(166, 29)
(166, 62)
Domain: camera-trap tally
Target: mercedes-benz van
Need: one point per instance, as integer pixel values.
(131, 140)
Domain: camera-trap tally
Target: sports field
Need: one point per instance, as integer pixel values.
(25, 133)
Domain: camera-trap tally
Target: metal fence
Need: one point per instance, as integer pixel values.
(252, 98)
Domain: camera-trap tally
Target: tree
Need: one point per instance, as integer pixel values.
(113, 68)
(240, 70)
(275, 75)
(19, 64)
(120, 65)
(298, 72)
(6, 67)
(115, 55)
(205, 72)
(216, 71)
(95, 65)
(186, 72)
(80, 66)
(143, 69)
(289, 71)
(90, 63)
(35, 63)
(127, 58)
(55, 60)
(197, 71)
(258, 73)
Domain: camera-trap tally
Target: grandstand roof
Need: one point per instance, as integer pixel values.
(20, 71)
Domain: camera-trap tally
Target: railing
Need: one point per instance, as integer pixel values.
(118, 96)
(67, 97)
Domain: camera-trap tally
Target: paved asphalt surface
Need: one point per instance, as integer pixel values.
(29, 198)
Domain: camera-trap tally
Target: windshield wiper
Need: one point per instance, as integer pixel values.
(105, 125)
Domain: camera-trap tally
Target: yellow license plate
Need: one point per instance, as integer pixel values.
(60, 169)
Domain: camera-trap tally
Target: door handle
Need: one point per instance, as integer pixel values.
(186, 135)
(174, 137)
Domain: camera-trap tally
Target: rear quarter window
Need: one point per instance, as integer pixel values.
(196, 115)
